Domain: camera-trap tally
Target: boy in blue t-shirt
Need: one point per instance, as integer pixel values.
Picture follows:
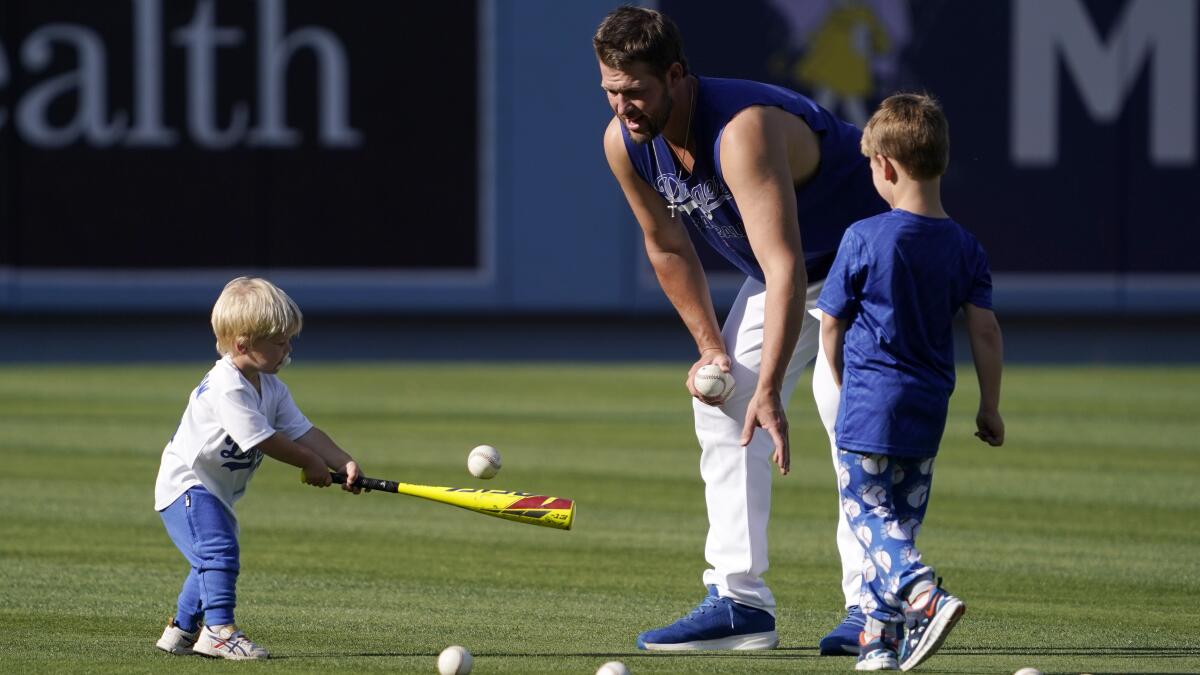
(888, 304)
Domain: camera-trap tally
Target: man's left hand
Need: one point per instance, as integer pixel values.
(766, 411)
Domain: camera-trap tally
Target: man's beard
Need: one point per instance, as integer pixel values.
(654, 126)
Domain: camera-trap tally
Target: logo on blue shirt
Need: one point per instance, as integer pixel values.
(706, 197)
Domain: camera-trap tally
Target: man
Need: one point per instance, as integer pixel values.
(770, 180)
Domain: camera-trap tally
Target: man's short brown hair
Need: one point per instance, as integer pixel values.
(911, 129)
(638, 35)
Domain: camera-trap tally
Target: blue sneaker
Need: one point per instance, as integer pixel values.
(927, 626)
(843, 639)
(716, 623)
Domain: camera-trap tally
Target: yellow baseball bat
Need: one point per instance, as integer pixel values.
(522, 507)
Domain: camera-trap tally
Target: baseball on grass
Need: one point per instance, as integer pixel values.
(483, 462)
(613, 668)
(712, 382)
(454, 660)
(1028, 671)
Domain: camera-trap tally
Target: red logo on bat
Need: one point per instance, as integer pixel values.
(539, 502)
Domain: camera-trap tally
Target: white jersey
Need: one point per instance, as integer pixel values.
(216, 443)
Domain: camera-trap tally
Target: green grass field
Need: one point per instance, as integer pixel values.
(1076, 546)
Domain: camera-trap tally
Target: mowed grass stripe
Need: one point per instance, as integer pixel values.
(1075, 545)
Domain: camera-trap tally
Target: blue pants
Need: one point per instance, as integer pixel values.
(206, 533)
(884, 499)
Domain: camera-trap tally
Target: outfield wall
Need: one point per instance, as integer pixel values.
(445, 158)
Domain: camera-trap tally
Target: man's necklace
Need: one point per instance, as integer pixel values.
(673, 207)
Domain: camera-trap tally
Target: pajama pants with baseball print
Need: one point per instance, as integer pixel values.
(884, 499)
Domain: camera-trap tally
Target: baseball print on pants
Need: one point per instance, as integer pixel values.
(884, 499)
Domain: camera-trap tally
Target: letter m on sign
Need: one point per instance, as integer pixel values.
(1160, 33)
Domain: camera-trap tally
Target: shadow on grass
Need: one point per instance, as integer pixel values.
(778, 653)
(782, 653)
(1116, 652)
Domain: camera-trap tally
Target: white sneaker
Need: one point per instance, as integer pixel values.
(175, 640)
(227, 642)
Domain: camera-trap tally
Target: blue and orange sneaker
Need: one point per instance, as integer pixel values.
(877, 654)
(927, 622)
(716, 623)
(843, 639)
(878, 651)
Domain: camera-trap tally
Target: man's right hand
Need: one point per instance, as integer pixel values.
(716, 357)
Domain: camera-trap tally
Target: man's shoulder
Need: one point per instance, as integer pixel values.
(612, 131)
(614, 137)
(617, 151)
(751, 122)
(726, 99)
(719, 87)
(616, 146)
(764, 124)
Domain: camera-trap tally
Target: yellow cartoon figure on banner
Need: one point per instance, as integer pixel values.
(842, 44)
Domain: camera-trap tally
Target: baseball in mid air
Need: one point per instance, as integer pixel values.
(613, 668)
(483, 462)
(712, 382)
(455, 660)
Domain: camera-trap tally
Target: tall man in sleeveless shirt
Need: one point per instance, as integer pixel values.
(770, 180)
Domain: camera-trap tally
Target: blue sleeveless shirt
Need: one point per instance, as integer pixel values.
(838, 194)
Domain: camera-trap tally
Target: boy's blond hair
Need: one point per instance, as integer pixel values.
(911, 129)
(253, 309)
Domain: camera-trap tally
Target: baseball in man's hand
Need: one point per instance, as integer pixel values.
(712, 382)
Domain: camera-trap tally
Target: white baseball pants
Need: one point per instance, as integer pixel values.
(828, 396)
(737, 480)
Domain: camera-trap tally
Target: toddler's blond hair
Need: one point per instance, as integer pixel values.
(252, 309)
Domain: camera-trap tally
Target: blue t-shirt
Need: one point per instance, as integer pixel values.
(899, 279)
(840, 192)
